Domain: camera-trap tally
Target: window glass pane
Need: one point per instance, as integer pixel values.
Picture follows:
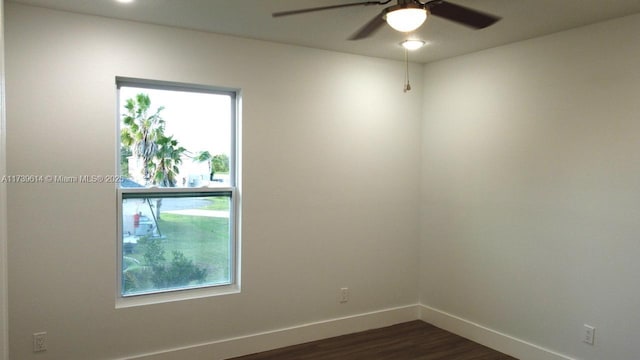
(177, 208)
(175, 241)
(172, 138)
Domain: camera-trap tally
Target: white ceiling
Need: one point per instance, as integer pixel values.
(521, 19)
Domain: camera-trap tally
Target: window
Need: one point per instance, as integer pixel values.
(178, 197)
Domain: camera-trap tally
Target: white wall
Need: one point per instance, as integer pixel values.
(330, 176)
(4, 314)
(530, 166)
(530, 189)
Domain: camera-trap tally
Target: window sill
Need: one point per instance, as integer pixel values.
(180, 295)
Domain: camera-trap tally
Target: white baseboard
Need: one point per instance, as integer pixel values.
(493, 339)
(269, 340)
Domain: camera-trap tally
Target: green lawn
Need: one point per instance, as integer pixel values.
(218, 203)
(203, 240)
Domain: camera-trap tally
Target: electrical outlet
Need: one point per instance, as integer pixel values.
(40, 342)
(344, 295)
(588, 334)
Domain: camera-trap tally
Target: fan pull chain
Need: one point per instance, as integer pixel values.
(407, 86)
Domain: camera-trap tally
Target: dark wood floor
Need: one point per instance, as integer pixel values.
(415, 340)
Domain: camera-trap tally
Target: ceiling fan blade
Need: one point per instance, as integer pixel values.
(302, 11)
(462, 15)
(369, 28)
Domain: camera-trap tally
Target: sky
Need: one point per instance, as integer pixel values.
(199, 121)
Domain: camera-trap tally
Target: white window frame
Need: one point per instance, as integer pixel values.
(169, 295)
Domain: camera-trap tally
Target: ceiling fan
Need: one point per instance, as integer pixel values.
(408, 15)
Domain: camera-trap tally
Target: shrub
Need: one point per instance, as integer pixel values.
(157, 273)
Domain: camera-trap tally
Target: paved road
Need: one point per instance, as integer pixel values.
(200, 212)
(169, 204)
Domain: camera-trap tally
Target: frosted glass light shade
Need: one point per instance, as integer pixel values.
(406, 19)
(412, 44)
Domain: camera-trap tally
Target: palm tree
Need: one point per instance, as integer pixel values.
(167, 158)
(144, 135)
(142, 131)
(165, 171)
(205, 156)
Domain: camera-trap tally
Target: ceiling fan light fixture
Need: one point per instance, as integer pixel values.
(413, 44)
(405, 17)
